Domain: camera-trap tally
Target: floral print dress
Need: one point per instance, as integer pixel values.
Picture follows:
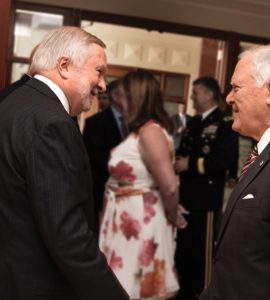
(135, 235)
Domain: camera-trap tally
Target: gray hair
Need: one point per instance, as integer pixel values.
(67, 41)
(260, 63)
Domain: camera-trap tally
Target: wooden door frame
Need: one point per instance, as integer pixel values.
(5, 23)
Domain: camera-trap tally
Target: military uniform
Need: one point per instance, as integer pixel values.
(211, 146)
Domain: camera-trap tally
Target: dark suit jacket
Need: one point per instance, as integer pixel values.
(47, 245)
(242, 262)
(101, 134)
(8, 90)
(213, 141)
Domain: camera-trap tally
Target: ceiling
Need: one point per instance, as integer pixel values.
(249, 17)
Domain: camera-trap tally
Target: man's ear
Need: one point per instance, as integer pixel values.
(63, 66)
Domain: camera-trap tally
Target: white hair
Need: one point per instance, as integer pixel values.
(66, 41)
(260, 63)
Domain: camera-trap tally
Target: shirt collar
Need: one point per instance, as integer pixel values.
(208, 112)
(56, 89)
(264, 140)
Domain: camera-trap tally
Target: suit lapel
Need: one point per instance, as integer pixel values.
(42, 88)
(251, 173)
(45, 90)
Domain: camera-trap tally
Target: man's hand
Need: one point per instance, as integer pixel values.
(181, 222)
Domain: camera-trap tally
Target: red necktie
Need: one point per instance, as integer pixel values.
(254, 154)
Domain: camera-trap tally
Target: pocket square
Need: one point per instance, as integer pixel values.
(248, 196)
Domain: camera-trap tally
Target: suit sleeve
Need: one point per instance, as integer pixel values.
(58, 182)
(97, 147)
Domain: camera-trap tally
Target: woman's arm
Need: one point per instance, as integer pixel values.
(155, 152)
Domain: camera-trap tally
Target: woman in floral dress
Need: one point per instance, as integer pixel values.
(138, 226)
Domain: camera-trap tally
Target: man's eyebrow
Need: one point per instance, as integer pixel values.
(234, 85)
(103, 68)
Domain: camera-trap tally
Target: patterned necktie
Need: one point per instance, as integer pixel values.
(124, 129)
(254, 154)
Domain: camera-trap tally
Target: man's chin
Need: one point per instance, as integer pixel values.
(87, 107)
(236, 127)
(88, 103)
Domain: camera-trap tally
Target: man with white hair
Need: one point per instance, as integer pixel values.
(46, 212)
(242, 262)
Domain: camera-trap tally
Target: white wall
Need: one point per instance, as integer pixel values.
(149, 50)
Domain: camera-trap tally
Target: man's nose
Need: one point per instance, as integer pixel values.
(229, 98)
(102, 85)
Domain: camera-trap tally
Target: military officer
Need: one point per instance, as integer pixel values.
(208, 149)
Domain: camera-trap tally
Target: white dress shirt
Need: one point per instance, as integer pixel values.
(264, 141)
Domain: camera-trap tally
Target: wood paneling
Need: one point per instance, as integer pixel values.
(231, 57)
(5, 15)
(209, 57)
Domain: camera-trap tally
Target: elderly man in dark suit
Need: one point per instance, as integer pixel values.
(208, 148)
(103, 132)
(242, 262)
(46, 212)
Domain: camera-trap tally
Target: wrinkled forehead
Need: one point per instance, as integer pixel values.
(242, 69)
(97, 52)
